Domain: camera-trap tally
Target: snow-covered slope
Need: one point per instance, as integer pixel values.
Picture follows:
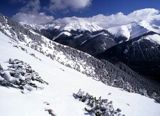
(154, 39)
(133, 30)
(129, 31)
(32, 76)
(80, 61)
(56, 97)
(45, 46)
(137, 23)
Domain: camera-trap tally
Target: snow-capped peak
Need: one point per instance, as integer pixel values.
(129, 26)
(148, 17)
(75, 23)
(132, 30)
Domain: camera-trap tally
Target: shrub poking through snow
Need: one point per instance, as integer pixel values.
(19, 74)
(97, 107)
(50, 111)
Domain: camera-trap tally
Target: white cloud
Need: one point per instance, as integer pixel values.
(122, 19)
(31, 6)
(144, 14)
(33, 18)
(30, 13)
(69, 4)
(111, 20)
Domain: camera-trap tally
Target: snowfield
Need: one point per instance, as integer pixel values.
(58, 95)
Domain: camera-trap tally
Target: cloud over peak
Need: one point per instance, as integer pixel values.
(31, 6)
(69, 4)
(33, 18)
(31, 12)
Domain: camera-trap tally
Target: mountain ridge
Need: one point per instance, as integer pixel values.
(105, 72)
(99, 22)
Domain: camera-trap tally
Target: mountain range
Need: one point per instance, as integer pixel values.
(138, 33)
(46, 64)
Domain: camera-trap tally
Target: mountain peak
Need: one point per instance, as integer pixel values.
(100, 21)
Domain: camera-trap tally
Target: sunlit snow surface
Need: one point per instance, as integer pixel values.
(63, 82)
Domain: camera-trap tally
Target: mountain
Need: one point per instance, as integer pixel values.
(80, 61)
(146, 18)
(96, 34)
(138, 23)
(90, 42)
(132, 30)
(56, 97)
(44, 77)
(137, 32)
(100, 35)
(141, 54)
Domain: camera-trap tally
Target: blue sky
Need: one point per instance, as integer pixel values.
(83, 9)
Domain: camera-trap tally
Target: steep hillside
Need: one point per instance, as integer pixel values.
(57, 98)
(141, 54)
(90, 42)
(104, 72)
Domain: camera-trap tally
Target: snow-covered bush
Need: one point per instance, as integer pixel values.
(97, 107)
(50, 112)
(20, 75)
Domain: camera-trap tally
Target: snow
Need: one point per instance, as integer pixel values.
(120, 31)
(75, 23)
(67, 33)
(63, 82)
(154, 38)
(68, 24)
(132, 30)
(100, 21)
(78, 36)
(129, 25)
